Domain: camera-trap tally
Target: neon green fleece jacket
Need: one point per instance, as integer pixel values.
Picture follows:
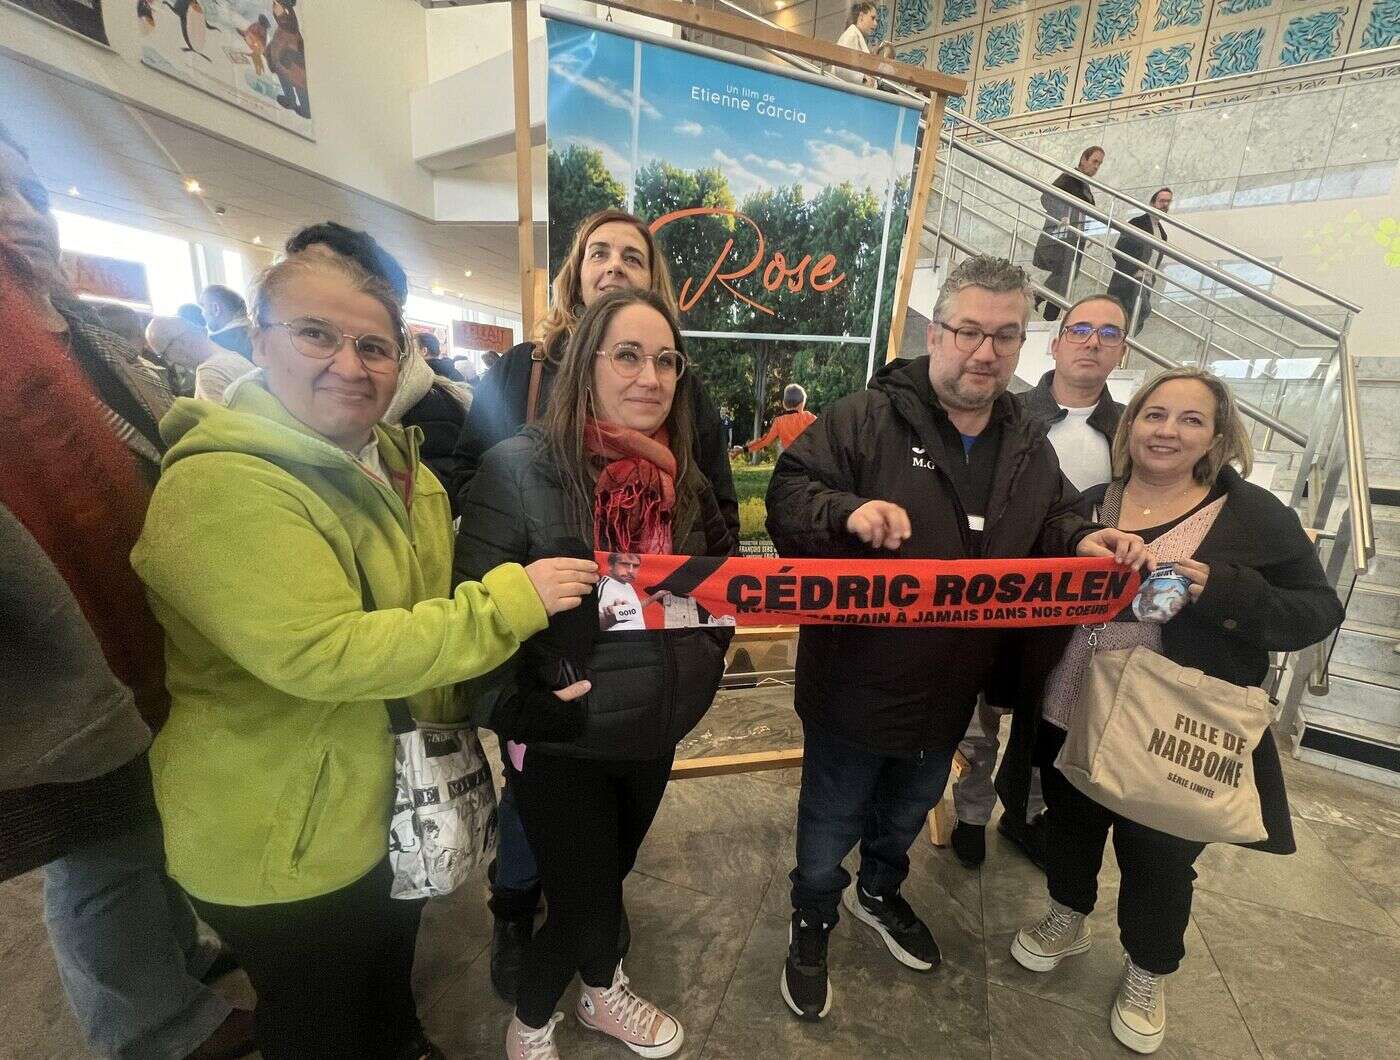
(274, 773)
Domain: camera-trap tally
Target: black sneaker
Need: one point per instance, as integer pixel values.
(909, 941)
(1029, 839)
(805, 985)
(509, 937)
(969, 843)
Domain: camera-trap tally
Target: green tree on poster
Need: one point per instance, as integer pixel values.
(579, 184)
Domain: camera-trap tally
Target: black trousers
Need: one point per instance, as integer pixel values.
(332, 974)
(585, 820)
(1154, 899)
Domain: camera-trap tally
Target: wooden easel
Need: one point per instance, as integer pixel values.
(937, 87)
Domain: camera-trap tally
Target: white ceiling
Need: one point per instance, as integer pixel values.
(130, 165)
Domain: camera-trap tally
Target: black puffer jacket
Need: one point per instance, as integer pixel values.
(901, 691)
(650, 688)
(498, 411)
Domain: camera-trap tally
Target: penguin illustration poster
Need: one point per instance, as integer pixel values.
(83, 17)
(251, 53)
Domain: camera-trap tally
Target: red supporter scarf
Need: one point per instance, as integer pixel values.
(636, 489)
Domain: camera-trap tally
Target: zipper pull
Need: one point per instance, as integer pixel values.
(1094, 632)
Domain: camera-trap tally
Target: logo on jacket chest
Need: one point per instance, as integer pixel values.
(920, 460)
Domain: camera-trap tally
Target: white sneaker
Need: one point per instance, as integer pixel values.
(1139, 1016)
(634, 1021)
(526, 1043)
(1061, 933)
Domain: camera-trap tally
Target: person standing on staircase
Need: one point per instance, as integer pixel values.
(1073, 401)
(1060, 245)
(1131, 282)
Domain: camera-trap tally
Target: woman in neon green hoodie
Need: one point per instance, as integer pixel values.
(274, 773)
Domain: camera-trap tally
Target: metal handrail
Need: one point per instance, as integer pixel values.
(967, 175)
(1151, 211)
(1204, 268)
(1383, 57)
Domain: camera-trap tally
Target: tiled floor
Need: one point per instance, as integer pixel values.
(1296, 957)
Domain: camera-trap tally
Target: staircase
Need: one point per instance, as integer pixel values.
(1213, 306)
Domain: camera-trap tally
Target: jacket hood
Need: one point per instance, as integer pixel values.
(906, 384)
(415, 380)
(253, 422)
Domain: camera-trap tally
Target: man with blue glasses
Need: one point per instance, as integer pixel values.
(1073, 400)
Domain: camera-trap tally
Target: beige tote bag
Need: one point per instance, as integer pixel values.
(1168, 747)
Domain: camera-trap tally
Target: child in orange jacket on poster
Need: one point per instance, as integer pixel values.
(790, 424)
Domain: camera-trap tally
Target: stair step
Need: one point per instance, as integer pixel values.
(1375, 605)
(1362, 728)
(1378, 763)
(1369, 646)
(1383, 570)
(1367, 701)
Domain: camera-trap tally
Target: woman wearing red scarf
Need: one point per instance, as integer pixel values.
(611, 467)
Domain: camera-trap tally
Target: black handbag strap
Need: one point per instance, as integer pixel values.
(400, 720)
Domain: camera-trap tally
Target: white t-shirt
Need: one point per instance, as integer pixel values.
(852, 38)
(623, 598)
(1083, 451)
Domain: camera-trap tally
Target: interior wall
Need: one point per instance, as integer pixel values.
(364, 57)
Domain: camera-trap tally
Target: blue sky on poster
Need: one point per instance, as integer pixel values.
(762, 130)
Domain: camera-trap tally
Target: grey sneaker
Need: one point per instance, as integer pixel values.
(1139, 1016)
(527, 1043)
(1061, 933)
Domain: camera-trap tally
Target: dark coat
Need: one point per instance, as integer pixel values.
(1040, 403)
(1051, 252)
(1128, 283)
(439, 416)
(902, 691)
(1266, 592)
(650, 688)
(498, 411)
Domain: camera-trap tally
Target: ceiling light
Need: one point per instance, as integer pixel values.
(192, 186)
(257, 241)
(73, 191)
(467, 274)
(438, 289)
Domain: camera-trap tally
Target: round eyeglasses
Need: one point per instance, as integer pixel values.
(320, 340)
(628, 359)
(1109, 334)
(968, 339)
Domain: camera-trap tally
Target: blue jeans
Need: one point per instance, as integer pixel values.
(128, 948)
(850, 795)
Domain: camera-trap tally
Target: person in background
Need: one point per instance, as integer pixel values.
(980, 480)
(277, 516)
(786, 428)
(183, 346)
(1060, 244)
(122, 321)
(489, 360)
(1131, 282)
(1255, 586)
(611, 250)
(612, 467)
(192, 314)
(126, 942)
(856, 36)
(1072, 399)
(431, 349)
(226, 317)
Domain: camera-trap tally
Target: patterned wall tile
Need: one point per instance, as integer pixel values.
(997, 97)
(1057, 33)
(1106, 76)
(1239, 49)
(1004, 46)
(1379, 24)
(1116, 24)
(884, 14)
(1051, 86)
(1313, 33)
(1172, 18)
(957, 104)
(954, 53)
(957, 12)
(1227, 11)
(1168, 62)
(916, 53)
(912, 19)
(997, 8)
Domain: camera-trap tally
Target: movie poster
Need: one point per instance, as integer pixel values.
(81, 16)
(251, 53)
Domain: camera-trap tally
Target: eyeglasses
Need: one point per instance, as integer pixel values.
(628, 360)
(320, 340)
(1109, 334)
(1005, 343)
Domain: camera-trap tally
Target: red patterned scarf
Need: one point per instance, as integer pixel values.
(636, 490)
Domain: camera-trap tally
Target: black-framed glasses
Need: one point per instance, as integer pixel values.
(968, 339)
(628, 359)
(1109, 334)
(320, 339)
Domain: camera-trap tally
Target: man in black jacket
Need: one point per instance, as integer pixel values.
(935, 461)
(1132, 283)
(1059, 246)
(1073, 402)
